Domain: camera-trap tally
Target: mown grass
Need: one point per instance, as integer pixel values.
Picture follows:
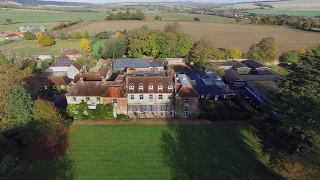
(33, 48)
(38, 16)
(158, 152)
(96, 45)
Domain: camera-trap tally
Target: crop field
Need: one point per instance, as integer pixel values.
(39, 16)
(290, 12)
(309, 8)
(157, 152)
(32, 47)
(225, 35)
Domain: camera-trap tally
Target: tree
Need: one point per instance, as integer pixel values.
(39, 35)
(116, 35)
(157, 18)
(267, 50)
(103, 35)
(62, 36)
(78, 35)
(100, 50)
(151, 47)
(234, 53)
(47, 120)
(290, 57)
(252, 53)
(110, 33)
(46, 40)
(28, 36)
(238, 20)
(307, 24)
(174, 28)
(202, 51)
(84, 45)
(86, 35)
(184, 44)
(8, 20)
(314, 22)
(288, 129)
(20, 107)
(114, 48)
(196, 19)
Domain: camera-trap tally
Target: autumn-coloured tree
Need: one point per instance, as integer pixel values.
(202, 51)
(267, 50)
(301, 51)
(46, 40)
(39, 35)
(47, 119)
(234, 53)
(84, 45)
(174, 28)
(116, 35)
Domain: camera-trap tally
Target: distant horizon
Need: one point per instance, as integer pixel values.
(124, 1)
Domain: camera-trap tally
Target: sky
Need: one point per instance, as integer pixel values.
(111, 1)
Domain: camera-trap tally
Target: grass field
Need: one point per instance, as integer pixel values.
(157, 152)
(16, 26)
(39, 16)
(96, 45)
(225, 35)
(32, 48)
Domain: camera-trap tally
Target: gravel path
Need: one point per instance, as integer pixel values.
(156, 122)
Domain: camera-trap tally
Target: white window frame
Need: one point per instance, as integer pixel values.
(170, 86)
(140, 86)
(160, 96)
(150, 86)
(131, 86)
(74, 99)
(132, 97)
(160, 86)
(151, 97)
(141, 96)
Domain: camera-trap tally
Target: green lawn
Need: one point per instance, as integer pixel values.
(96, 45)
(157, 152)
(32, 47)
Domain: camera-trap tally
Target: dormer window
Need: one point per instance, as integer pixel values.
(150, 86)
(131, 86)
(160, 86)
(140, 86)
(170, 86)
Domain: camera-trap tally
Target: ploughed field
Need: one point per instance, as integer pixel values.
(225, 35)
(157, 152)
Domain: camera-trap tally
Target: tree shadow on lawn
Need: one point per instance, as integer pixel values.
(212, 152)
(48, 163)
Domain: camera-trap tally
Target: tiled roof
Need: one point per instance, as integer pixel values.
(90, 76)
(133, 62)
(146, 80)
(90, 88)
(70, 52)
(114, 91)
(78, 66)
(104, 71)
(187, 91)
(57, 80)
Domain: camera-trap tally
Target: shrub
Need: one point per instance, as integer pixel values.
(28, 36)
(122, 117)
(192, 116)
